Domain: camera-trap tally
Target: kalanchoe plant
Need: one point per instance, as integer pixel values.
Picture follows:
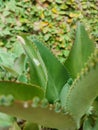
(58, 96)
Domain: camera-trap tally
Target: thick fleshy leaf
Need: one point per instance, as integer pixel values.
(64, 93)
(57, 73)
(87, 125)
(20, 91)
(96, 125)
(84, 89)
(46, 116)
(5, 121)
(81, 51)
(90, 124)
(38, 73)
(30, 126)
(15, 127)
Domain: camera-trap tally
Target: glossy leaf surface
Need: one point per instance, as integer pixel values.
(81, 50)
(38, 73)
(44, 116)
(30, 126)
(57, 73)
(20, 91)
(84, 89)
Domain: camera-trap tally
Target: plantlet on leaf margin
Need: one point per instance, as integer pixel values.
(58, 96)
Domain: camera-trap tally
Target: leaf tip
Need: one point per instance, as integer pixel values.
(21, 40)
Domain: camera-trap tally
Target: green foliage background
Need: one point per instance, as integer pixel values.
(52, 21)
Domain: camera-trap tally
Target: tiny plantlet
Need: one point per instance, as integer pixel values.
(59, 96)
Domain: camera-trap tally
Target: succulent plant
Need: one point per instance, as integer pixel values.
(59, 96)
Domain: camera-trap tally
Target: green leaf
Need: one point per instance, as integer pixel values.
(38, 73)
(13, 64)
(87, 125)
(81, 51)
(5, 121)
(17, 49)
(46, 117)
(20, 64)
(15, 127)
(20, 91)
(57, 73)
(95, 105)
(96, 125)
(64, 93)
(30, 126)
(22, 78)
(7, 61)
(84, 89)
